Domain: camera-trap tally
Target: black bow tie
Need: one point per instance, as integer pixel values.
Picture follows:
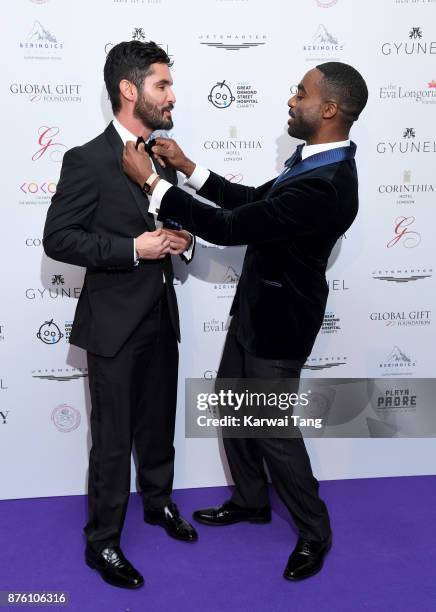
(147, 145)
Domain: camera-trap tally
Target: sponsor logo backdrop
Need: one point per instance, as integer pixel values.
(236, 63)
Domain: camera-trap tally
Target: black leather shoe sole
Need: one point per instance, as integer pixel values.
(260, 520)
(113, 582)
(176, 536)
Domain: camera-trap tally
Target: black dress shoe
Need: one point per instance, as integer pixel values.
(114, 568)
(230, 513)
(306, 559)
(169, 518)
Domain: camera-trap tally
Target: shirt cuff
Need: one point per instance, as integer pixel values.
(159, 191)
(188, 253)
(135, 254)
(197, 178)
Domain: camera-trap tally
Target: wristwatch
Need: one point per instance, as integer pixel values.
(146, 188)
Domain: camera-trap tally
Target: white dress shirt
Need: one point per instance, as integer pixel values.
(201, 174)
(158, 192)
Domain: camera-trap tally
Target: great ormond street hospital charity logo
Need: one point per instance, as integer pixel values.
(49, 333)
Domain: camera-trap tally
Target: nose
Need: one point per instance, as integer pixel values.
(292, 101)
(171, 97)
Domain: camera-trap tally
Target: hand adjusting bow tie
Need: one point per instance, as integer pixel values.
(147, 145)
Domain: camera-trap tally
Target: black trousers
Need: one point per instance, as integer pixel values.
(133, 397)
(286, 458)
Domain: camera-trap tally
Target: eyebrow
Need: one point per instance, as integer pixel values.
(301, 87)
(164, 82)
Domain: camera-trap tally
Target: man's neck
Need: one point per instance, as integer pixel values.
(134, 125)
(325, 139)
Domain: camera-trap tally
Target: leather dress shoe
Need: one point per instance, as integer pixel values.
(229, 513)
(307, 558)
(114, 568)
(169, 518)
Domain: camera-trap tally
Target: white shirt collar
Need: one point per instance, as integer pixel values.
(123, 132)
(309, 150)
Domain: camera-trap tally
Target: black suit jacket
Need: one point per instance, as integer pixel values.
(290, 229)
(92, 220)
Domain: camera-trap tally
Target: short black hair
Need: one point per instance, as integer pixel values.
(130, 61)
(346, 86)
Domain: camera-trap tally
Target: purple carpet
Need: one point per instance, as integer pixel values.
(383, 555)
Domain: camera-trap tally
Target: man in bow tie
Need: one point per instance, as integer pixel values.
(126, 318)
(291, 225)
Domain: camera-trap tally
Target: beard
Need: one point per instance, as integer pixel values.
(152, 116)
(304, 128)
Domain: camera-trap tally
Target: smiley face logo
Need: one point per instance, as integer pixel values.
(49, 333)
(221, 96)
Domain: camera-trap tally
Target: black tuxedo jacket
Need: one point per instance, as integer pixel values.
(92, 220)
(290, 229)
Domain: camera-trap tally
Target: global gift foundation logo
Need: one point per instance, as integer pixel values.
(47, 92)
(411, 318)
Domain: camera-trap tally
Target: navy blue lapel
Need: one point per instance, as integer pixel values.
(318, 160)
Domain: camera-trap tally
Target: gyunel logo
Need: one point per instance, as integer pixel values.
(408, 144)
(413, 43)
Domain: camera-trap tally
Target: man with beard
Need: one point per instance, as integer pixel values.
(290, 224)
(126, 318)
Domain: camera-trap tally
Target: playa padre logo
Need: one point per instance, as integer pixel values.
(324, 45)
(414, 43)
(232, 42)
(41, 43)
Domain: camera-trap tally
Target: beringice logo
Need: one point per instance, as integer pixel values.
(323, 43)
(403, 235)
(232, 42)
(41, 42)
(49, 333)
(65, 418)
(48, 144)
(221, 96)
(397, 362)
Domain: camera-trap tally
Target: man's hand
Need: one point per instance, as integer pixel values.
(153, 245)
(136, 163)
(180, 240)
(167, 151)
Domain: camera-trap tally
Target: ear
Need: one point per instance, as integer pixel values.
(330, 110)
(128, 91)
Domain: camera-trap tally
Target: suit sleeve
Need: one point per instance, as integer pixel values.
(68, 235)
(297, 210)
(230, 195)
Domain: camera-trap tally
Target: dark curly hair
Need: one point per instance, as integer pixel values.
(131, 61)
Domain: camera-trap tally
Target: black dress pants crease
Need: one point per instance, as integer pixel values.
(286, 458)
(133, 397)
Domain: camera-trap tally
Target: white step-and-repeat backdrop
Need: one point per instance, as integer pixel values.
(379, 321)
